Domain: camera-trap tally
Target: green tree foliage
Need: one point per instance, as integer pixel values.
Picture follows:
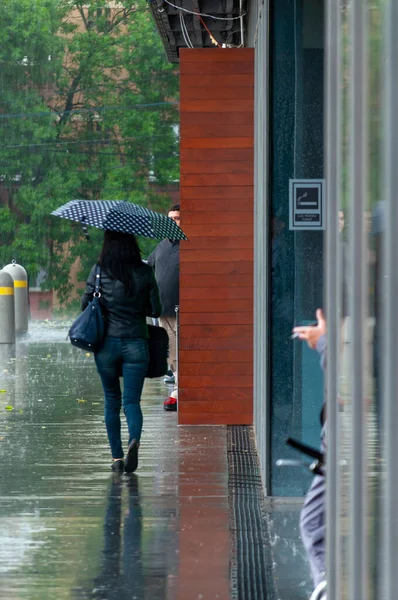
(88, 109)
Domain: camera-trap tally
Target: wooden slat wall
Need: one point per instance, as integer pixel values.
(216, 277)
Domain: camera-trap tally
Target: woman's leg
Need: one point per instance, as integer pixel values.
(135, 364)
(107, 361)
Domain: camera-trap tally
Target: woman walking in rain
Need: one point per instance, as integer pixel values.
(129, 293)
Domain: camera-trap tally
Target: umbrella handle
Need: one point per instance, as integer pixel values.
(85, 228)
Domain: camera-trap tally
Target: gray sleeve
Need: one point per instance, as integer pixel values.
(321, 348)
(152, 259)
(155, 306)
(379, 218)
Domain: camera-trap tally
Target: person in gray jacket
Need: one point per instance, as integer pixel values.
(313, 513)
(165, 259)
(129, 293)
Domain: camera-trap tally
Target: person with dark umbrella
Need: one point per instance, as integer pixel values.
(120, 218)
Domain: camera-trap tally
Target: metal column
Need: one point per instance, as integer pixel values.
(261, 237)
(358, 185)
(333, 190)
(390, 337)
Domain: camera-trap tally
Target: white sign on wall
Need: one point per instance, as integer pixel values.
(307, 204)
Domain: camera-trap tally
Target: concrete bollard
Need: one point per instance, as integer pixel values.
(21, 298)
(7, 309)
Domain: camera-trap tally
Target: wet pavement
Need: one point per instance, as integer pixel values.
(69, 527)
(291, 570)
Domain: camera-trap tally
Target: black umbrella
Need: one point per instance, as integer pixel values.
(119, 215)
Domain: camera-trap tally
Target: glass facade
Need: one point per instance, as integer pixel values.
(331, 114)
(364, 431)
(296, 283)
(357, 159)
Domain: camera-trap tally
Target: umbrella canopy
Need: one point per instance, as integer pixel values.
(119, 215)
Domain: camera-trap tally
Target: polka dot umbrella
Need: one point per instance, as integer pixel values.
(119, 215)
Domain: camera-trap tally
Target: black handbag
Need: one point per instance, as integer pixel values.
(88, 330)
(158, 345)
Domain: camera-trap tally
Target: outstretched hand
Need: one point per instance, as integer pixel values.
(312, 333)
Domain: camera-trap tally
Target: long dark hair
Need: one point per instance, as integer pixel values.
(119, 255)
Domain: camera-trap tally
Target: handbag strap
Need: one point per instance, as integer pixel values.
(97, 293)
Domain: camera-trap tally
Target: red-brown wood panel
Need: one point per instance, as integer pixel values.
(213, 356)
(211, 205)
(238, 318)
(215, 381)
(224, 368)
(208, 168)
(217, 280)
(224, 395)
(227, 191)
(225, 230)
(216, 267)
(212, 305)
(215, 343)
(210, 418)
(220, 254)
(226, 81)
(218, 92)
(211, 179)
(204, 218)
(215, 155)
(225, 142)
(215, 68)
(216, 55)
(209, 130)
(216, 118)
(226, 242)
(232, 292)
(220, 331)
(233, 406)
(206, 106)
(216, 270)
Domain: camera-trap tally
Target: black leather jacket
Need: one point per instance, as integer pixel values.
(126, 315)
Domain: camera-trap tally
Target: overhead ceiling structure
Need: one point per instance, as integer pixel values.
(198, 24)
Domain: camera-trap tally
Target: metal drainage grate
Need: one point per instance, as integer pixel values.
(251, 564)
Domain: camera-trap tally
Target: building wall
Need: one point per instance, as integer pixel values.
(216, 277)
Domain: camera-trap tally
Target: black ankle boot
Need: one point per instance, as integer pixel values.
(117, 466)
(131, 462)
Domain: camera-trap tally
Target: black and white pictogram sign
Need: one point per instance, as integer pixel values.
(306, 204)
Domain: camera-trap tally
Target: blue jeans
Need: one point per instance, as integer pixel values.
(128, 358)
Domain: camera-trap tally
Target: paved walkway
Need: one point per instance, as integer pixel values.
(191, 524)
(69, 528)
